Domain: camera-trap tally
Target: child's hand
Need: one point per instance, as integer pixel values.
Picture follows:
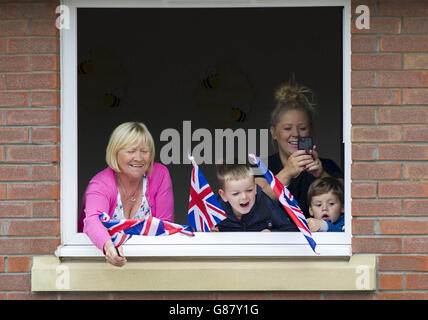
(314, 224)
(265, 230)
(214, 229)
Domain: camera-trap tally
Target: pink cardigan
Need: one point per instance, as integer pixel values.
(101, 196)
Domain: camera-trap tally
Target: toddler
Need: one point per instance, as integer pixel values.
(325, 198)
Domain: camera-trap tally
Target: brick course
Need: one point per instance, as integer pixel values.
(395, 110)
(29, 139)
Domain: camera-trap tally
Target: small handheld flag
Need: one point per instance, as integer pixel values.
(205, 210)
(122, 230)
(287, 200)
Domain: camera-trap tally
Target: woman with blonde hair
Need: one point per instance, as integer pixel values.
(133, 186)
(292, 118)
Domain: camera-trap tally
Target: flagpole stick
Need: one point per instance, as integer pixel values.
(281, 195)
(190, 157)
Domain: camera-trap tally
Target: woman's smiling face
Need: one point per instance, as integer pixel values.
(292, 124)
(134, 160)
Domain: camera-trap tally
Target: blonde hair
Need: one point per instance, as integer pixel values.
(228, 172)
(127, 134)
(290, 96)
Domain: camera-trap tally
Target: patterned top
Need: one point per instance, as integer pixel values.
(142, 212)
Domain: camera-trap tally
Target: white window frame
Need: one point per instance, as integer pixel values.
(74, 244)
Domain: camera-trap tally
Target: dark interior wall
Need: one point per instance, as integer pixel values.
(155, 61)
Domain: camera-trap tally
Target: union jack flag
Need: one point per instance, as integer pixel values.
(122, 230)
(287, 200)
(204, 209)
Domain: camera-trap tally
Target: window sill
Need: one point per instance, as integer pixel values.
(205, 274)
(227, 244)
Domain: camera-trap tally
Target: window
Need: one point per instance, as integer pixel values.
(161, 55)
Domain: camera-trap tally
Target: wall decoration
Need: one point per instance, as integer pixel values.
(225, 95)
(102, 81)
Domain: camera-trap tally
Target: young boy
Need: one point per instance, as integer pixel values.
(325, 198)
(247, 207)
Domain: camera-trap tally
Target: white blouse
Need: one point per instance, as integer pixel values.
(142, 212)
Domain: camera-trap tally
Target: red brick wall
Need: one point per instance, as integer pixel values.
(389, 135)
(389, 150)
(29, 140)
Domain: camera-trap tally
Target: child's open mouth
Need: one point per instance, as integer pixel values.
(325, 217)
(244, 205)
